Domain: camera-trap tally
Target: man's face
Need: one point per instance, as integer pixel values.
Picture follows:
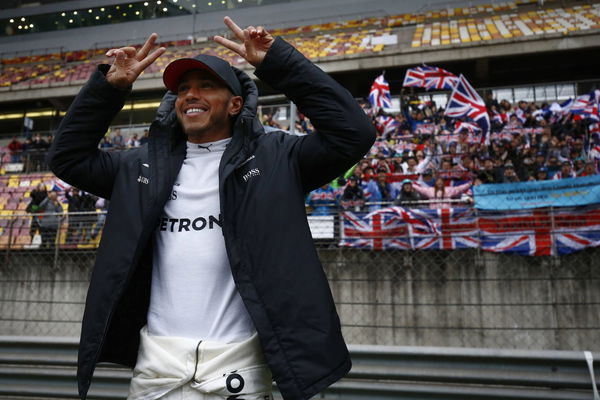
(204, 106)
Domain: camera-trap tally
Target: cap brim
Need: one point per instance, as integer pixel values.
(178, 68)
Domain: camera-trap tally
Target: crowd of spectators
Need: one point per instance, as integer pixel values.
(83, 224)
(422, 158)
(31, 151)
(116, 140)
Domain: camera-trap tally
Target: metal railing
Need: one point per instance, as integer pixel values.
(33, 367)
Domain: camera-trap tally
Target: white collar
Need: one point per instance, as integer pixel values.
(218, 146)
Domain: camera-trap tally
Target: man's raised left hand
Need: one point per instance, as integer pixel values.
(255, 42)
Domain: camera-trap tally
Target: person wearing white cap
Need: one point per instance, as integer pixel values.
(206, 279)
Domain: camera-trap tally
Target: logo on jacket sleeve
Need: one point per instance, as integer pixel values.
(143, 179)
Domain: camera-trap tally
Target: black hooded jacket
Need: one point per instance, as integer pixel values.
(263, 178)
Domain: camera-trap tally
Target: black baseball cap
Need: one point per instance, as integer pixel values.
(215, 65)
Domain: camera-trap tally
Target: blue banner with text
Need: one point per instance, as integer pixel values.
(566, 192)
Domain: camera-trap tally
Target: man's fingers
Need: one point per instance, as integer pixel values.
(237, 31)
(147, 46)
(129, 51)
(119, 54)
(151, 58)
(231, 45)
(247, 35)
(261, 31)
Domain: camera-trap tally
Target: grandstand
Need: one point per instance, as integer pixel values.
(405, 269)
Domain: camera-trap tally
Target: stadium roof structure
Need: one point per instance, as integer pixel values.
(381, 35)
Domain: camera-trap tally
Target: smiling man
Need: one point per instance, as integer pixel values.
(206, 279)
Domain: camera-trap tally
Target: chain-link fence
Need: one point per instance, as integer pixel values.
(387, 292)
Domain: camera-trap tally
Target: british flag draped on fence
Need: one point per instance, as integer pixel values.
(380, 96)
(537, 232)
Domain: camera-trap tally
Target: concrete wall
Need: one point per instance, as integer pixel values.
(427, 298)
(467, 299)
(39, 300)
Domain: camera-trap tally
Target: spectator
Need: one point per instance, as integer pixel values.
(101, 204)
(489, 173)
(118, 140)
(407, 197)
(16, 149)
(105, 143)
(589, 169)
(542, 174)
(566, 171)
(51, 209)
(321, 200)
(578, 166)
(144, 138)
(380, 190)
(133, 141)
(509, 175)
(441, 193)
(78, 203)
(427, 178)
(26, 154)
(38, 150)
(36, 197)
(553, 166)
(353, 197)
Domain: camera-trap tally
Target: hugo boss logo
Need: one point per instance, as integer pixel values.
(250, 174)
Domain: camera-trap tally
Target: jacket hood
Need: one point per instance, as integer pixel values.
(166, 111)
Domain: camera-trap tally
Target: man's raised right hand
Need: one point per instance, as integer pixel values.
(129, 63)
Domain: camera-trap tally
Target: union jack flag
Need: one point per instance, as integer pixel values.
(499, 118)
(438, 78)
(471, 128)
(465, 101)
(585, 105)
(576, 229)
(430, 77)
(521, 115)
(381, 229)
(386, 125)
(414, 77)
(426, 129)
(380, 96)
(452, 228)
(60, 187)
(541, 232)
(522, 232)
